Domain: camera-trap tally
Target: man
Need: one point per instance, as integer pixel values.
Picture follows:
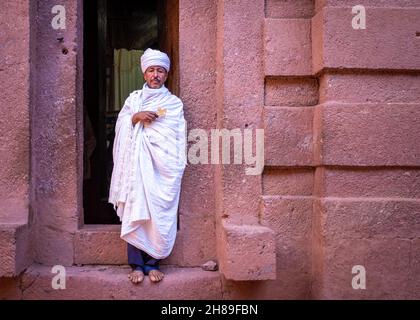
(149, 161)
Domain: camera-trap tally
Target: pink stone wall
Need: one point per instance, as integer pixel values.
(196, 241)
(366, 208)
(56, 133)
(15, 77)
(14, 122)
(340, 185)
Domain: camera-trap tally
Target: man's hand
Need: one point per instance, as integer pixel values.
(144, 116)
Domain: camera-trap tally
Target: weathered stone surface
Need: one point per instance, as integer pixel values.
(379, 219)
(290, 217)
(195, 241)
(369, 87)
(291, 91)
(288, 286)
(287, 47)
(370, 134)
(111, 282)
(368, 3)
(248, 253)
(289, 9)
(379, 234)
(14, 102)
(370, 182)
(99, 244)
(386, 262)
(288, 181)
(56, 134)
(241, 207)
(288, 136)
(239, 100)
(240, 55)
(379, 46)
(15, 253)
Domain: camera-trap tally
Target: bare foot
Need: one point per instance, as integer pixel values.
(136, 276)
(156, 275)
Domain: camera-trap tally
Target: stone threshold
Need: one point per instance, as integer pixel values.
(111, 282)
(101, 244)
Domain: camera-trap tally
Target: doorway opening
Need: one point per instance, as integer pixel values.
(116, 33)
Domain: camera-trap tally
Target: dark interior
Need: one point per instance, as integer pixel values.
(109, 25)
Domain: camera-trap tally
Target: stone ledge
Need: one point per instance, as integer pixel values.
(99, 244)
(249, 253)
(14, 249)
(111, 282)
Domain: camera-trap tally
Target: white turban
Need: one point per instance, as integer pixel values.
(154, 58)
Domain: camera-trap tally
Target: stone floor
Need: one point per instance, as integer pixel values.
(111, 282)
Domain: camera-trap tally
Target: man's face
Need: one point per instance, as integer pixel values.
(155, 76)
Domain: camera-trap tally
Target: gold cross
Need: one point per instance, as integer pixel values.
(161, 112)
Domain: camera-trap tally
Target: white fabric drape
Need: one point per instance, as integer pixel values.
(149, 162)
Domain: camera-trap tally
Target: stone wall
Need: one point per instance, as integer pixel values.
(15, 174)
(340, 113)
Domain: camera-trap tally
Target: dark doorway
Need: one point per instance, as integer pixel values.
(116, 32)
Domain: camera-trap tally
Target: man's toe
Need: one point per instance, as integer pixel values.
(136, 276)
(156, 275)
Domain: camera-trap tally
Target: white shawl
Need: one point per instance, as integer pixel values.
(149, 161)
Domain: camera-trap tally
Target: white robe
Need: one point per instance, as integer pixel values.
(149, 161)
